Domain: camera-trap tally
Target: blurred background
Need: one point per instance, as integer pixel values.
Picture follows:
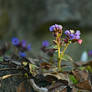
(30, 20)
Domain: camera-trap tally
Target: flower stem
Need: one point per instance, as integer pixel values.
(61, 56)
(58, 46)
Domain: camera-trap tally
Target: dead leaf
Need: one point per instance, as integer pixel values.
(64, 90)
(85, 85)
(80, 75)
(57, 87)
(84, 75)
(74, 89)
(76, 74)
(50, 78)
(45, 65)
(88, 63)
(59, 76)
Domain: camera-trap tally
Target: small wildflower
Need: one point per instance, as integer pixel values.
(54, 27)
(77, 32)
(90, 53)
(22, 54)
(77, 35)
(51, 28)
(45, 43)
(66, 40)
(73, 35)
(67, 32)
(15, 41)
(72, 31)
(23, 44)
(80, 41)
(29, 47)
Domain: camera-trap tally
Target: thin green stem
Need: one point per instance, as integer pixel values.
(61, 56)
(58, 57)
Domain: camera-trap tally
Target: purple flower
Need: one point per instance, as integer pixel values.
(22, 54)
(77, 37)
(72, 36)
(52, 28)
(77, 33)
(29, 47)
(45, 43)
(15, 41)
(56, 26)
(23, 43)
(67, 32)
(90, 53)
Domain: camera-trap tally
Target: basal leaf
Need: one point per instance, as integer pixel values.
(82, 68)
(67, 58)
(1, 59)
(73, 79)
(89, 68)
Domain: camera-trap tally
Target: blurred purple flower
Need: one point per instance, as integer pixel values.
(90, 53)
(15, 41)
(22, 54)
(23, 44)
(45, 43)
(29, 47)
(56, 26)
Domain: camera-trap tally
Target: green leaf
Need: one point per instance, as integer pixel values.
(67, 58)
(53, 46)
(1, 59)
(56, 54)
(89, 68)
(82, 68)
(32, 67)
(73, 79)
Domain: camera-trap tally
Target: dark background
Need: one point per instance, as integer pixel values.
(30, 20)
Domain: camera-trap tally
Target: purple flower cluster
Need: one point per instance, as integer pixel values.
(54, 27)
(21, 45)
(73, 35)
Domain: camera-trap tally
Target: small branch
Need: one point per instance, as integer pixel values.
(8, 69)
(36, 88)
(2, 63)
(9, 75)
(16, 62)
